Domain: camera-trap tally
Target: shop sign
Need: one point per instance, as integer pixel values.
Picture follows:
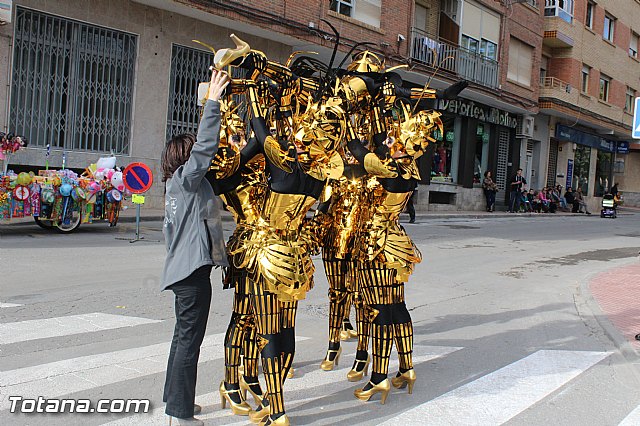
(569, 173)
(451, 136)
(623, 147)
(566, 133)
(479, 112)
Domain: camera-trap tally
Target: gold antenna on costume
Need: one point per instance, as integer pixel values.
(205, 45)
(426, 85)
(298, 52)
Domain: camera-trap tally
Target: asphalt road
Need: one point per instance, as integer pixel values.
(504, 332)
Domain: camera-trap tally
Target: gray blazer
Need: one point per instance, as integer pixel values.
(192, 226)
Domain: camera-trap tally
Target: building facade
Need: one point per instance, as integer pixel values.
(590, 76)
(89, 78)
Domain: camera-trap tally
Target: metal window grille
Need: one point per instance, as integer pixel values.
(503, 157)
(189, 67)
(72, 83)
(552, 169)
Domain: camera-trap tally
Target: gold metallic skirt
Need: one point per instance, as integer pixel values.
(277, 261)
(387, 242)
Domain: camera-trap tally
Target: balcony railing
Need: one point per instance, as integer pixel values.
(555, 83)
(446, 56)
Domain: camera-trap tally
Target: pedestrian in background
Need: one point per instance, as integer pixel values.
(193, 247)
(490, 188)
(516, 185)
(582, 205)
(411, 209)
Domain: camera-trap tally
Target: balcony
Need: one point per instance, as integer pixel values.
(444, 56)
(552, 87)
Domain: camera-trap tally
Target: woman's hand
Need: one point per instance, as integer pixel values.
(219, 81)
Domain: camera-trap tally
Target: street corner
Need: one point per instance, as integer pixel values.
(617, 293)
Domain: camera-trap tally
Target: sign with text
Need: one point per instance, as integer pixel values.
(566, 133)
(569, 173)
(623, 147)
(478, 111)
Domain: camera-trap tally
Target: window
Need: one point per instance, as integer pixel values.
(629, 100)
(609, 26)
(591, 10)
(72, 83)
(480, 30)
(604, 88)
(366, 11)
(481, 161)
(470, 43)
(520, 62)
(421, 17)
(343, 7)
(489, 49)
(633, 45)
(604, 162)
(560, 8)
(581, 164)
(544, 65)
(445, 155)
(585, 79)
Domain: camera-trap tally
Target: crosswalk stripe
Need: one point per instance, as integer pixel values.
(14, 332)
(633, 419)
(9, 305)
(78, 374)
(503, 394)
(308, 384)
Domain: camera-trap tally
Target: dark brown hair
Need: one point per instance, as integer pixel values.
(176, 152)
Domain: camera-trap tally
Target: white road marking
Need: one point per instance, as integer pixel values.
(9, 305)
(87, 372)
(499, 396)
(633, 419)
(14, 332)
(308, 384)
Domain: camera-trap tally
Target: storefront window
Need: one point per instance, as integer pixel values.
(581, 164)
(482, 153)
(443, 155)
(603, 173)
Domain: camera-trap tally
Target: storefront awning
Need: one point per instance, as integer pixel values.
(569, 134)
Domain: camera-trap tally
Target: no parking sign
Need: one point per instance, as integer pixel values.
(137, 178)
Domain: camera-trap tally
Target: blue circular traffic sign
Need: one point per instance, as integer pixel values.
(137, 178)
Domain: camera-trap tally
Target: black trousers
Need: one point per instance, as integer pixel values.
(490, 197)
(193, 299)
(514, 201)
(411, 208)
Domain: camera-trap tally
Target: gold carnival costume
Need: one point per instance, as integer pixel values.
(304, 115)
(239, 179)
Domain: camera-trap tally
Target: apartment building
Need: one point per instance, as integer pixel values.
(89, 78)
(590, 77)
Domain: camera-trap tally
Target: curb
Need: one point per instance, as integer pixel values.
(626, 348)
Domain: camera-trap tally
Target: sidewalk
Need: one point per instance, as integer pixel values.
(154, 215)
(617, 292)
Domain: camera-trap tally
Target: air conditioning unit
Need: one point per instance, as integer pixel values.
(525, 126)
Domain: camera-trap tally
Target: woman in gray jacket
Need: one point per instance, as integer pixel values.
(194, 243)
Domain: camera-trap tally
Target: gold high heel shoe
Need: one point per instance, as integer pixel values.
(241, 409)
(346, 333)
(328, 365)
(244, 387)
(408, 378)
(355, 375)
(283, 420)
(382, 387)
(259, 415)
(224, 57)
